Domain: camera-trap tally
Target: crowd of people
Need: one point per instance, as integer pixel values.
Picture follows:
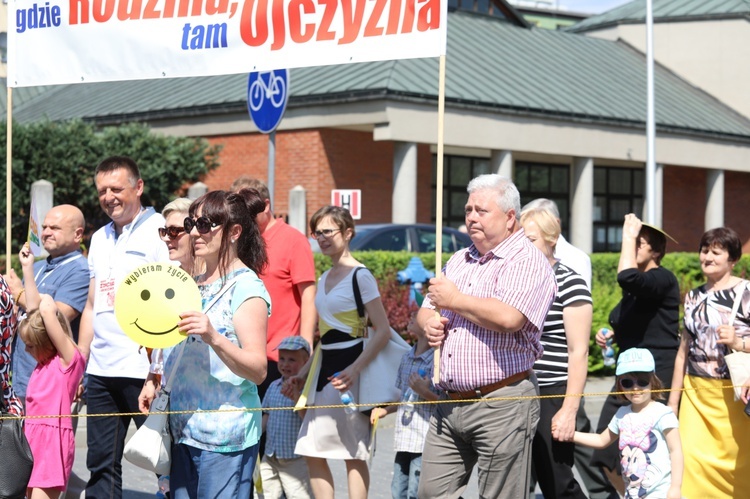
(510, 317)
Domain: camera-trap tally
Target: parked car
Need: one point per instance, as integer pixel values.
(415, 238)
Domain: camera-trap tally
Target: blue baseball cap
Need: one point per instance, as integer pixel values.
(635, 360)
(294, 343)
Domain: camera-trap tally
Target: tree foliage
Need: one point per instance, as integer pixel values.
(66, 154)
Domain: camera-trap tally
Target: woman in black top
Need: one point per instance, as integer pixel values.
(646, 317)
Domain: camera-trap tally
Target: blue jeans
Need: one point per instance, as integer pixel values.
(105, 436)
(406, 470)
(198, 473)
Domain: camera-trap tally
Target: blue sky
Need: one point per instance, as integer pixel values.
(591, 6)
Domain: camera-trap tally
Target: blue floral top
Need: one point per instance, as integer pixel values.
(204, 382)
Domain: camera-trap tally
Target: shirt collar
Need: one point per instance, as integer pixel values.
(54, 262)
(502, 250)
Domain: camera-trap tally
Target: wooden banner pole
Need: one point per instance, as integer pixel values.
(439, 197)
(8, 176)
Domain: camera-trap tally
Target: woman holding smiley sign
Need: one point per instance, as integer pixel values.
(213, 453)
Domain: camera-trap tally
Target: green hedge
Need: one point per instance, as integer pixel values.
(605, 291)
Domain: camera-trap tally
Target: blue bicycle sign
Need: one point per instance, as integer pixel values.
(267, 95)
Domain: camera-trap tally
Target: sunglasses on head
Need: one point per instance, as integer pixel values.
(171, 232)
(628, 383)
(202, 224)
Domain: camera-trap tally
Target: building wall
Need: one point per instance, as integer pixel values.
(684, 204)
(685, 201)
(712, 55)
(736, 189)
(324, 159)
(319, 160)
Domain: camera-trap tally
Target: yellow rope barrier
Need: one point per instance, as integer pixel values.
(385, 404)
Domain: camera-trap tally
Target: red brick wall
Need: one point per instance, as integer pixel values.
(318, 160)
(736, 192)
(684, 206)
(685, 201)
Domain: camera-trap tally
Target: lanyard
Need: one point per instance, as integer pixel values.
(44, 268)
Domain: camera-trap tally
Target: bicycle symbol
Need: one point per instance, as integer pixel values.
(272, 87)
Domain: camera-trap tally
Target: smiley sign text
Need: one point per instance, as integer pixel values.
(149, 301)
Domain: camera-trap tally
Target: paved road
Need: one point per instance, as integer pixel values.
(139, 484)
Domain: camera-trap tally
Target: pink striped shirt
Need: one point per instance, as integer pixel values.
(515, 273)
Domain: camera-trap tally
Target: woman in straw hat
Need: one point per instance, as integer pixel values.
(646, 317)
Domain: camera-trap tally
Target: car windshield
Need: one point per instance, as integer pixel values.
(360, 233)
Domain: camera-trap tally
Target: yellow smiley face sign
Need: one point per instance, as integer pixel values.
(149, 301)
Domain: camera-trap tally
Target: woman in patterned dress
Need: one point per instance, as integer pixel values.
(717, 458)
(8, 323)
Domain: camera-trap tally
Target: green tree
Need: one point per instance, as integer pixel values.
(66, 154)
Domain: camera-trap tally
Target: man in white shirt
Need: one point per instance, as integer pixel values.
(117, 366)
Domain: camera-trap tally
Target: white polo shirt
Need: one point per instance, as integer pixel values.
(111, 258)
(574, 258)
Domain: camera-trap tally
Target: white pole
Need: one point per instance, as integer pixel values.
(650, 120)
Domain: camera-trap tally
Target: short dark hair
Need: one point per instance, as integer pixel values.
(113, 163)
(340, 216)
(653, 379)
(656, 239)
(246, 181)
(726, 239)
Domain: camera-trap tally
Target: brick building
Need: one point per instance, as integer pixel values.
(562, 113)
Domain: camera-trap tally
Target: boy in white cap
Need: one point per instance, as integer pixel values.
(283, 472)
(649, 439)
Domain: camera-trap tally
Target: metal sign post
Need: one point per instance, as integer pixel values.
(267, 96)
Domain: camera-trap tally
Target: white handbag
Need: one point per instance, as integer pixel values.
(377, 381)
(738, 363)
(150, 447)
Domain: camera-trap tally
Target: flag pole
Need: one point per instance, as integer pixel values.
(8, 174)
(650, 121)
(439, 198)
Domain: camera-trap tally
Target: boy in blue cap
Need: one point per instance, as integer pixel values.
(283, 472)
(649, 439)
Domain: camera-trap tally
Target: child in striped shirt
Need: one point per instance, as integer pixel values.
(412, 422)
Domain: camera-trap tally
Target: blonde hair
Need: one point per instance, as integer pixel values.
(549, 226)
(179, 205)
(33, 332)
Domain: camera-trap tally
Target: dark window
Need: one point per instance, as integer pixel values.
(457, 172)
(617, 192)
(542, 180)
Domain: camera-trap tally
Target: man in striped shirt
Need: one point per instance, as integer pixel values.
(493, 299)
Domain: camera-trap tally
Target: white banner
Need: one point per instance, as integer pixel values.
(74, 41)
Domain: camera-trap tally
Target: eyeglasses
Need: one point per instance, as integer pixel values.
(172, 232)
(628, 383)
(325, 233)
(203, 224)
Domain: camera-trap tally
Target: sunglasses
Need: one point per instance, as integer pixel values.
(171, 232)
(628, 383)
(202, 224)
(324, 233)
